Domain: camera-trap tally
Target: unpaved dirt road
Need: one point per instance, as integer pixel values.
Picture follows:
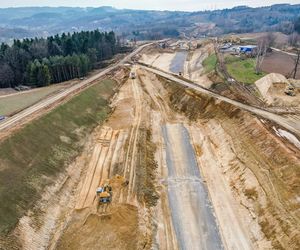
(191, 209)
(291, 125)
(53, 99)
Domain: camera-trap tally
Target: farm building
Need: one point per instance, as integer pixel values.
(248, 49)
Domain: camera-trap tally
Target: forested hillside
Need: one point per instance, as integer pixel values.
(41, 61)
(145, 24)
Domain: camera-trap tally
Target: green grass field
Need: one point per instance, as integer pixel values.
(210, 63)
(32, 157)
(243, 70)
(13, 103)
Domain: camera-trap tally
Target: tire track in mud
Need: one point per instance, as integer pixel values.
(155, 96)
(99, 166)
(129, 169)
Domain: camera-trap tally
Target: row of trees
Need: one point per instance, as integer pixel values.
(58, 58)
(57, 69)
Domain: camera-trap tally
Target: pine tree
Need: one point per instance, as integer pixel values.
(58, 58)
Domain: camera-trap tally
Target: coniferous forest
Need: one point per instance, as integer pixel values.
(42, 61)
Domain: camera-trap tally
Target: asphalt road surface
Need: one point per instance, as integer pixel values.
(191, 210)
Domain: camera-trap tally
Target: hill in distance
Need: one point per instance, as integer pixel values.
(145, 24)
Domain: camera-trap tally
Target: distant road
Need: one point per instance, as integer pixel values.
(11, 121)
(291, 125)
(282, 51)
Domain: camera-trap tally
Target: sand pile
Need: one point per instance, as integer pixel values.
(272, 88)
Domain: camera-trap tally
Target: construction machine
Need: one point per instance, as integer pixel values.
(290, 90)
(105, 194)
(132, 75)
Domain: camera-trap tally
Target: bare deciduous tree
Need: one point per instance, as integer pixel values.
(297, 61)
(296, 44)
(293, 39)
(262, 47)
(270, 39)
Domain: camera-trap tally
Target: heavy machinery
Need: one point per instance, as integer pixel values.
(132, 75)
(105, 194)
(290, 90)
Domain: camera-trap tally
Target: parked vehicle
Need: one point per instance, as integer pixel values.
(22, 88)
(132, 75)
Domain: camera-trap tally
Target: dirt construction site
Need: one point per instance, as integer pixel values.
(187, 171)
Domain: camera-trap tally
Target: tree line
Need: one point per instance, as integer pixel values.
(42, 61)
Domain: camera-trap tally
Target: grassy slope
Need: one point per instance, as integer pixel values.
(14, 103)
(242, 70)
(210, 63)
(30, 159)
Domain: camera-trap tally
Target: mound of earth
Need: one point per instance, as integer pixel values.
(272, 88)
(115, 230)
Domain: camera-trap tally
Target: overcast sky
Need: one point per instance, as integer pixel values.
(191, 5)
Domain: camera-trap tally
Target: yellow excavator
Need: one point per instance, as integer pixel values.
(105, 194)
(105, 191)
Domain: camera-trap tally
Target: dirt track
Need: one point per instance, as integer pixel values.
(284, 122)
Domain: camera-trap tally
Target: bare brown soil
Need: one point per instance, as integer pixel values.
(280, 39)
(278, 62)
(116, 230)
(119, 148)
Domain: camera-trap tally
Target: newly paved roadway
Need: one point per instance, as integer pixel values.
(191, 210)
